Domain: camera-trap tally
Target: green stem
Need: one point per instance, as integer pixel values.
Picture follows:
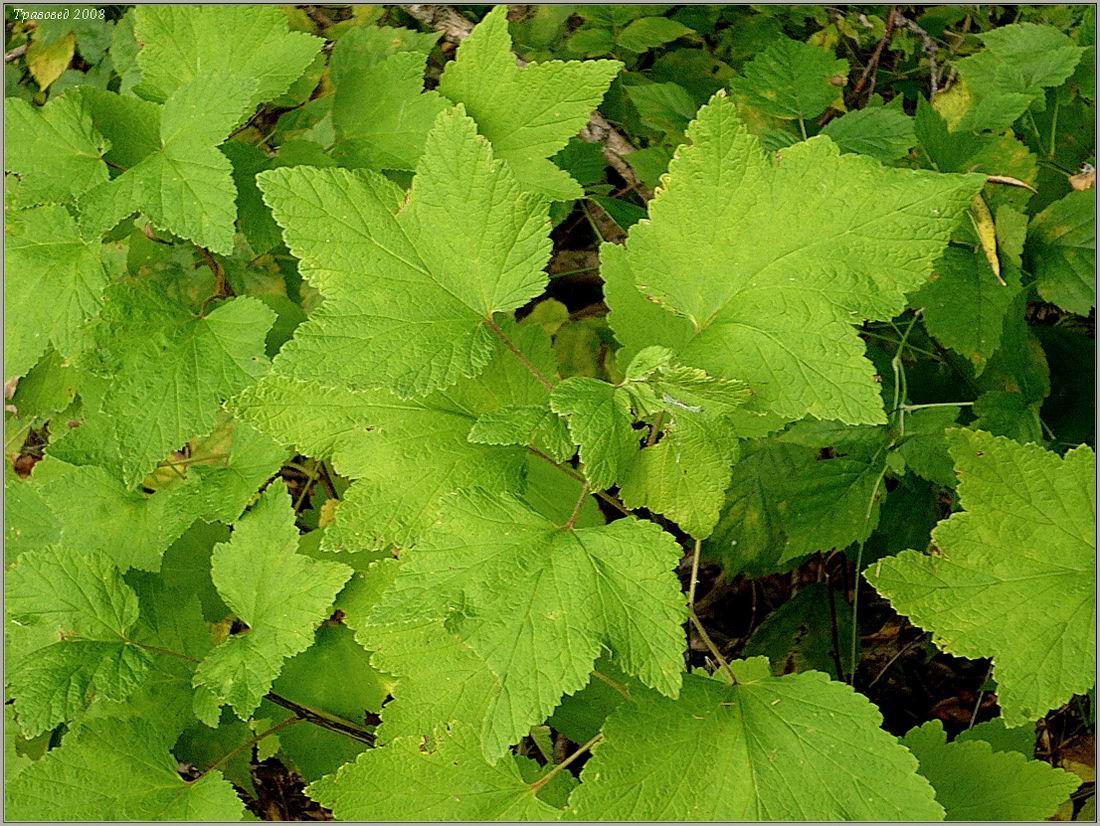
(709, 643)
(615, 684)
(908, 408)
(694, 574)
(802, 128)
(854, 643)
(577, 508)
(526, 362)
(250, 742)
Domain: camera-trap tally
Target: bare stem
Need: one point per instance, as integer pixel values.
(558, 769)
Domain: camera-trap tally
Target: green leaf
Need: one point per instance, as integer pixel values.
(222, 473)
(1026, 534)
(169, 371)
(308, 679)
(601, 422)
(381, 113)
(649, 32)
(788, 258)
(1019, 62)
(924, 447)
(225, 43)
(666, 107)
(527, 114)
(527, 425)
(799, 634)
(791, 80)
(97, 513)
(363, 47)
(446, 780)
(489, 555)
(974, 782)
(405, 455)
(1062, 246)
(964, 306)
(89, 611)
(884, 134)
(279, 594)
(29, 522)
(186, 186)
(1008, 414)
(55, 151)
(118, 770)
(55, 280)
(685, 475)
(783, 503)
(769, 748)
(410, 293)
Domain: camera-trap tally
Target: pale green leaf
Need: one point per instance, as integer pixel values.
(118, 770)
(1013, 579)
(974, 782)
(601, 422)
(527, 114)
(538, 427)
(279, 594)
(446, 780)
(381, 113)
(577, 588)
(227, 43)
(55, 151)
(769, 748)
(792, 253)
(186, 186)
(409, 292)
(97, 513)
(169, 371)
(55, 281)
(685, 475)
(404, 454)
(1062, 242)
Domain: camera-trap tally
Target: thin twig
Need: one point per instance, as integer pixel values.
(893, 660)
(526, 362)
(456, 28)
(322, 719)
(872, 65)
(310, 715)
(17, 52)
(558, 769)
(709, 643)
(928, 46)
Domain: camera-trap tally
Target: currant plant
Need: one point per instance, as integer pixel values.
(314, 460)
